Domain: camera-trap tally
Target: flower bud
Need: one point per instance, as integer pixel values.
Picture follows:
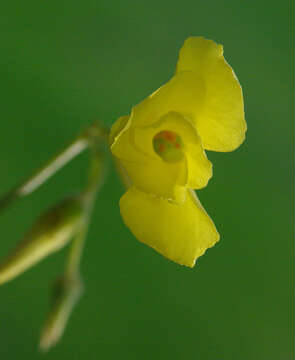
(51, 232)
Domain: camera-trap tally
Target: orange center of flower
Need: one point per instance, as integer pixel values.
(168, 145)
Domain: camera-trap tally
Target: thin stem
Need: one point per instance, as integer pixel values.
(71, 285)
(40, 176)
(52, 166)
(73, 264)
(96, 178)
(94, 136)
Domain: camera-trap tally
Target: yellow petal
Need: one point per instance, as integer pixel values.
(182, 233)
(164, 180)
(149, 173)
(123, 147)
(221, 123)
(199, 168)
(183, 94)
(117, 127)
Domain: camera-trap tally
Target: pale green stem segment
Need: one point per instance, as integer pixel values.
(95, 180)
(40, 176)
(67, 294)
(71, 284)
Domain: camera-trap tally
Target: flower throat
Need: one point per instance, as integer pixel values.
(168, 145)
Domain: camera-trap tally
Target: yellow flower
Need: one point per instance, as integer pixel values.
(161, 146)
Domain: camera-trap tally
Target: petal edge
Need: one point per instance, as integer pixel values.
(181, 233)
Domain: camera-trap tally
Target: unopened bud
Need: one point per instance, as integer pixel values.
(51, 232)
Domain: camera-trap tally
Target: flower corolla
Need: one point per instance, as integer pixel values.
(161, 145)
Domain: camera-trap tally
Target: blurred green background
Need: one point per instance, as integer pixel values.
(64, 64)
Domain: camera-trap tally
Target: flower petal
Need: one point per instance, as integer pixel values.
(183, 94)
(160, 179)
(118, 127)
(122, 143)
(147, 171)
(199, 168)
(182, 233)
(221, 123)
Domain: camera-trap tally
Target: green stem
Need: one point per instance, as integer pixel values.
(93, 137)
(96, 178)
(40, 176)
(72, 270)
(70, 288)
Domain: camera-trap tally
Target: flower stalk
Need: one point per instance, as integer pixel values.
(69, 220)
(93, 134)
(66, 294)
(96, 177)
